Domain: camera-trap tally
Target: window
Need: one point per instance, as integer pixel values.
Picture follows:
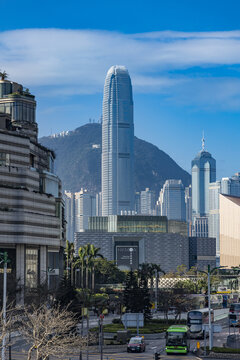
(31, 160)
(31, 267)
(4, 159)
(53, 260)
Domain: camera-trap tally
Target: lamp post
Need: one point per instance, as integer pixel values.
(4, 260)
(208, 273)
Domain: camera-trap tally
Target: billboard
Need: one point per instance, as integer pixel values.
(127, 257)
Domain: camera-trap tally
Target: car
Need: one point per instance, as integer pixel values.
(137, 344)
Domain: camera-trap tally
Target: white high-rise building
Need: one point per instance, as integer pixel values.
(172, 199)
(69, 199)
(85, 206)
(99, 204)
(147, 202)
(188, 202)
(117, 143)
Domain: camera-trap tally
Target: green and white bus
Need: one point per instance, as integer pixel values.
(177, 339)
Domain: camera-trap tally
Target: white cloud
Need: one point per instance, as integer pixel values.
(66, 62)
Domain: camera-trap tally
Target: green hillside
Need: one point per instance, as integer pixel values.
(78, 161)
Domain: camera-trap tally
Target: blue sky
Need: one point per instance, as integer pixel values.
(183, 58)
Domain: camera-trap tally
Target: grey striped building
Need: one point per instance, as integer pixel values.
(32, 227)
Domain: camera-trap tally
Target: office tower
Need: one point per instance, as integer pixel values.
(203, 173)
(147, 201)
(227, 186)
(117, 143)
(85, 206)
(137, 202)
(188, 202)
(32, 228)
(99, 204)
(173, 200)
(69, 199)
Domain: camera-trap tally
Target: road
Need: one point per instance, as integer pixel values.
(151, 347)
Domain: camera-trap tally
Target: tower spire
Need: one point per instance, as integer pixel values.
(203, 142)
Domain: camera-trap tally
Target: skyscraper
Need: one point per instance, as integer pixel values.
(85, 206)
(203, 173)
(173, 200)
(117, 143)
(147, 202)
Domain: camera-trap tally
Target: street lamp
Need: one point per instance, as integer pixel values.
(208, 273)
(4, 260)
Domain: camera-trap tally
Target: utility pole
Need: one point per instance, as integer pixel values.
(209, 310)
(209, 273)
(5, 261)
(101, 335)
(156, 289)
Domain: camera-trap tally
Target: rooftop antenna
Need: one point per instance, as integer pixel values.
(203, 142)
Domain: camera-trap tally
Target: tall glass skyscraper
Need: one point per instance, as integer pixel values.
(203, 173)
(173, 200)
(117, 143)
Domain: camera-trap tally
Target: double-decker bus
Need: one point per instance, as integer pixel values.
(177, 339)
(196, 319)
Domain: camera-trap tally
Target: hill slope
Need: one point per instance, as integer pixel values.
(78, 164)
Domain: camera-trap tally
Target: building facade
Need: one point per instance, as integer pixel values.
(229, 230)
(226, 186)
(32, 228)
(130, 249)
(133, 240)
(202, 252)
(117, 143)
(172, 200)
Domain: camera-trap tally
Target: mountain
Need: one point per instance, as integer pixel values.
(78, 161)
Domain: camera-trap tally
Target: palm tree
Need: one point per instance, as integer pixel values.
(81, 262)
(94, 251)
(157, 269)
(3, 75)
(69, 251)
(88, 257)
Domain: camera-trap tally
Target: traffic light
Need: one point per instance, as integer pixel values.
(157, 356)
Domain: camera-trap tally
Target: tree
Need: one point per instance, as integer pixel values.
(136, 295)
(50, 331)
(81, 263)
(3, 75)
(7, 326)
(107, 272)
(88, 257)
(69, 252)
(66, 296)
(94, 251)
(165, 301)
